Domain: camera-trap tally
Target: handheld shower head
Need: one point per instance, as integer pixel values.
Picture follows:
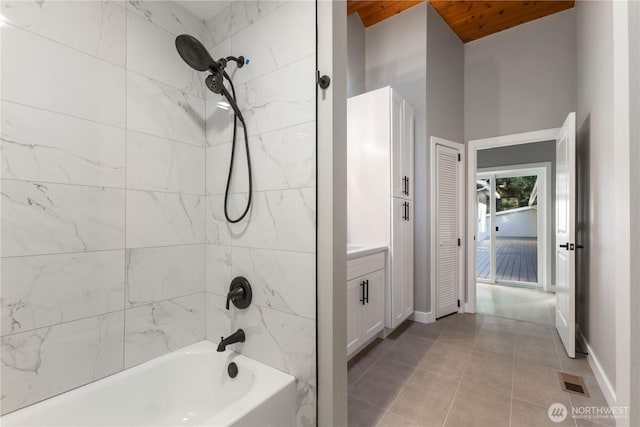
(215, 84)
(194, 53)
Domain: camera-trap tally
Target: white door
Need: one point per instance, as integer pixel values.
(565, 234)
(398, 216)
(355, 292)
(407, 261)
(373, 310)
(398, 181)
(447, 230)
(408, 124)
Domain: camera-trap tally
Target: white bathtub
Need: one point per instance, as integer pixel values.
(189, 387)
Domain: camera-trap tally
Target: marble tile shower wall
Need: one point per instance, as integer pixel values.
(275, 249)
(103, 192)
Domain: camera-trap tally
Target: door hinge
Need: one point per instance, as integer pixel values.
(458, 242)
(458, 303)
(458, 156)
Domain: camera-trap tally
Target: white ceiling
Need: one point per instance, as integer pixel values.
(203, 9)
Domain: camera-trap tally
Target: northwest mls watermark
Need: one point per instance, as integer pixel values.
(558, 412)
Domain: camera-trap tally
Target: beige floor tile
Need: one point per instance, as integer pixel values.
(537, 350)
(467, 322)
(362, 414)
(446, 359)
(394, 420)
(478, 407)
(489, 371)
(534, 330)
(538, 384)
(524, 414)
(427, 330)
(408, 350)
(425, 399)
(595, 399)
(360, 363)
(458, 337)
(530, 305)
(380, 384)
(496, 343)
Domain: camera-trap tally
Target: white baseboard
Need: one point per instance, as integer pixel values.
(469, 308)
(604, 383)
(423, 317)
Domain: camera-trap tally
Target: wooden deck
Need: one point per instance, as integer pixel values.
(517, 259)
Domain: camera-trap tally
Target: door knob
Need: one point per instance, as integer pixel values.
(566, 246)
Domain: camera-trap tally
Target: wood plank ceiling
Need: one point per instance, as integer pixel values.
(469, 19)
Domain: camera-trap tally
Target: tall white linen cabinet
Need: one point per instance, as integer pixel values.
(380, 142)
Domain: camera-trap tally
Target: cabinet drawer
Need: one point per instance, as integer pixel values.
(360, 266)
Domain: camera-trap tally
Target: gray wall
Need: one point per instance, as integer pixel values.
(596, 184)
(395, 56)
(522, 154)
(445, 119)
(355, 56)
(522, 79)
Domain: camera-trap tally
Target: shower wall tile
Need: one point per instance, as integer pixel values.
(278, 49)
(218, 28)
(168, 15)
(283, 98)
(156, 329)
(73, 82)
(159, 164)
(157, 274)
(151, 51)
(93, 27)
(50, 289)
(281, 340)
(282, 220)
(60, 148)
(45, 362)
(283, 281)
(218, 231)
(161, 110)
(163, 219)
(306, 410)
(282, 159)
(218, 269)
(54, 218)
(246, 13)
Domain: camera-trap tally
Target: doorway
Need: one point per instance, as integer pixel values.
(513, 255)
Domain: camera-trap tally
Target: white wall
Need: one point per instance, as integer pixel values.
(356, 75)
(521, 79)
(102, 192)
(596, 182)
(275, 246)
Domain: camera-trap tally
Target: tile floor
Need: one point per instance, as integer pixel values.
(466, 370)
(531, 305)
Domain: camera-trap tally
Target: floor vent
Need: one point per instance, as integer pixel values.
(573, 384)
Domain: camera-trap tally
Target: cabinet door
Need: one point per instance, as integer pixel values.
(373, 310)
(407, 262)
(398, 220)
(408, 124)
(354, 315)
(398, 188)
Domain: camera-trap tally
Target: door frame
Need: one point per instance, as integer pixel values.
(542, 171)
(472, 158)
(461, 221)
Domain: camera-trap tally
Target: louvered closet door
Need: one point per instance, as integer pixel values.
(447, 233)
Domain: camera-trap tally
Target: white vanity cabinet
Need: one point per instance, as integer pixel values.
(365, 299)
(380, 184)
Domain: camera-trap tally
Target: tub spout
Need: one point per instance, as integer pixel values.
(237, 336)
